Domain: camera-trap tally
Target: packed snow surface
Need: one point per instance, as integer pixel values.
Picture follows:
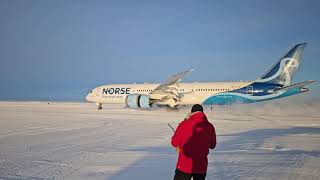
(61, 140)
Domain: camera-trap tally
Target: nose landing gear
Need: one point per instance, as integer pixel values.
(100, 106)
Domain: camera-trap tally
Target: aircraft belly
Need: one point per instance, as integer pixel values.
(193, 99)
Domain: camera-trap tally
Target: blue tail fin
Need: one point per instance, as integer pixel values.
(282, 72)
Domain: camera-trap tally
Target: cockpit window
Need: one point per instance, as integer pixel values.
(91, 91)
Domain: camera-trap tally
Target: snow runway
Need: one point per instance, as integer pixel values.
(75, 141)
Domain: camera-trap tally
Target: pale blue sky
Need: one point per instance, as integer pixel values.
(61, 49)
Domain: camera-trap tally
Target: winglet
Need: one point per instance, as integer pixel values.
(172, 80)
(178, 77)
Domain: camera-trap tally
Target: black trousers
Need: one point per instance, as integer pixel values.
(184, 176)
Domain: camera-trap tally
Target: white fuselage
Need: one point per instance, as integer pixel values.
(193, 92)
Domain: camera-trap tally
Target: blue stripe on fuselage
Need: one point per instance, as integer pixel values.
(258, 89)
(241, 96)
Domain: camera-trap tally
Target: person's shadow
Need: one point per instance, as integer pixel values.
(197, 146)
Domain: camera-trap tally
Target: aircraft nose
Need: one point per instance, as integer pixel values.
(89, 97)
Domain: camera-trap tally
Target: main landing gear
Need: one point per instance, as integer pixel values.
(174, 108)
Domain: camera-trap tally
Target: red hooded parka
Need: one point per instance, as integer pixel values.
(194, 136)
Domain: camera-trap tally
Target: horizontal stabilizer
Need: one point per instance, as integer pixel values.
(298, 85)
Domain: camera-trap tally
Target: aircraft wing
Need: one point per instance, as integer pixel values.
(168, 91)
(298, 85)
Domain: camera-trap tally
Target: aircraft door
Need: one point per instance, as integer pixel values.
(249, 89)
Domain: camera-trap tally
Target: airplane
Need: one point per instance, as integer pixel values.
(274, 84)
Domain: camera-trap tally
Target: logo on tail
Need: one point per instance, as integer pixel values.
(282, 72)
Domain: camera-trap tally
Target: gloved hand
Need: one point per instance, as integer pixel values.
(178, 149)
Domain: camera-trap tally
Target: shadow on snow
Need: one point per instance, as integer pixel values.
(239, 157)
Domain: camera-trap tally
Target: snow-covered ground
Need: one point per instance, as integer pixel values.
(75, 141)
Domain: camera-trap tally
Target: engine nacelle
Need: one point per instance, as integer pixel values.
(144, 102)
(138, 101)
(132, 101)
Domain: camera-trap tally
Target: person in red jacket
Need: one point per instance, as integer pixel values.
(192, 139)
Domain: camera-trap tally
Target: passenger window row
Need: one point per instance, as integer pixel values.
(223, 89)
(149, 90)
(213, 89)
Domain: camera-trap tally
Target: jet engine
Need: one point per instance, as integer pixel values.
(138, 101)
